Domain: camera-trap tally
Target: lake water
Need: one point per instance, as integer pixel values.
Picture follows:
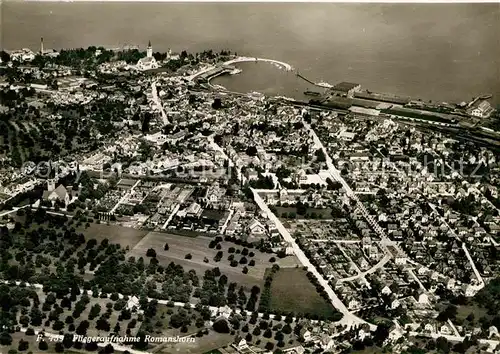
(445, 52)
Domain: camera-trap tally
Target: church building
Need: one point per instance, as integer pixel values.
(149, 62)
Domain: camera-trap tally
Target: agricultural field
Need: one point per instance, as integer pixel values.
(291, 291)
(198, 248)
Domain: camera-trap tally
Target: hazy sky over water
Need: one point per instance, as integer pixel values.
(451, 48)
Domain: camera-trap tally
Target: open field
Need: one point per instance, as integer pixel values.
(291, 291)
(464, 310)
(198, 247)
(125, 236)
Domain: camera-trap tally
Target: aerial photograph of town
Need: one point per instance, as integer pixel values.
(249, 178)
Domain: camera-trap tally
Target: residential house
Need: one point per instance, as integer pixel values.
(423, 298)
(240, 343)
(386, 290)
(395, 304)
(445, 329)
(325, 342)
(306, 335)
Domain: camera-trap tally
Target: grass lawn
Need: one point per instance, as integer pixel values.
(464, 310)
(179, 246)
(291, 291)
(125, 236)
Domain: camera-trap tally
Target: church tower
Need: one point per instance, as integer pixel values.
(41, 46)
(149, 51)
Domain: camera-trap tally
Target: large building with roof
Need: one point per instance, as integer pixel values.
(346, 89)
(481, 109)
(149, 62)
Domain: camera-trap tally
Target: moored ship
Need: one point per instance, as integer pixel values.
(312, 93)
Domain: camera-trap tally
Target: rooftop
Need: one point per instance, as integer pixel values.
(345, 86)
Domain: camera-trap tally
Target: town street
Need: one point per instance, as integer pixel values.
(385, 241)
(377, 266)
(157, 101)
(349, 318)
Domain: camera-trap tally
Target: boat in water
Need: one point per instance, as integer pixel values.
(324, 84)
(235, 71)
(219, 87)
(312, 93)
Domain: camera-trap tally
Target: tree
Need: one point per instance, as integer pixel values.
(381, 334)
(58, 325)
(23, 345)
(150, 253)
(68, 340)
(217, 103)
(59, 347)
(251, 150)
(188, 256)
(470, 317)
(166, 248)
(221, 326)
(91, 346)
(43, 345)
(443, 345)
(102, 324)
(4, 57)
(449, 313)
(5, 338)
(82, 328)
(94, 311)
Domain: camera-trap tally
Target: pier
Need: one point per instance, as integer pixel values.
(319, 84)
(278, 63)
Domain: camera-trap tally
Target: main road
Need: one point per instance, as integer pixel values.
(157, 101)
(349, 318)
(385, 241)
